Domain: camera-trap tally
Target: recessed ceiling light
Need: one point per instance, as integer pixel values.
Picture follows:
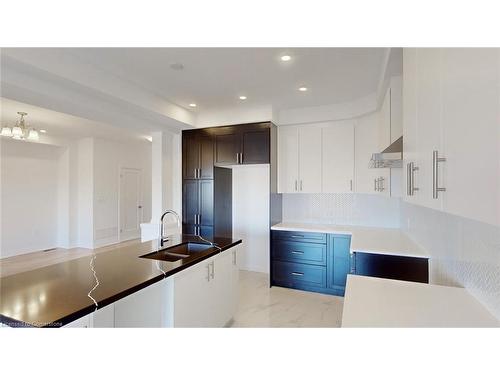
(243, 97)
(177, 66)
(285, 58)
(43, 131)
(302, 88)
(192, 105)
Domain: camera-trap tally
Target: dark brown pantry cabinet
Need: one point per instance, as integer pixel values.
(198, 157)
(207, 155)
(242, 144)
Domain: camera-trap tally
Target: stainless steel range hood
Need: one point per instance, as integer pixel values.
(391, 157)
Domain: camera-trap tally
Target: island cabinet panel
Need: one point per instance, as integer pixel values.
(206, 295)
(317, 262)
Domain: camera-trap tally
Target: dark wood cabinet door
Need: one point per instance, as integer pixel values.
(255, 146)
(190, 157)
(227, 147)
(189, 229)
(206, 164)
(206, 206)
(207, 232)
(190, 201)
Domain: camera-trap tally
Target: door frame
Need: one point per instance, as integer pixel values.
(141, 213)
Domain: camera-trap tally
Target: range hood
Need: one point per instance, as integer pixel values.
(391, 157)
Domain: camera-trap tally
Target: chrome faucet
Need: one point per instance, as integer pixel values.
(163, 239)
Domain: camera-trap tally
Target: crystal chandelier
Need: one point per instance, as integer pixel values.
(20, 130)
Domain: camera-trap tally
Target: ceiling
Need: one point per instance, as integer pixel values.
(214, 78)
(60, 124)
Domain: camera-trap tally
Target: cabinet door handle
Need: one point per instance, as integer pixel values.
(381, 184)
(350, 182)
(435, 174)
(295, 185)
(213, 270)
(408, 179)
(300, 185)
(234, 258)
(297, 252)
(297, 236)
(241, 157)
(208, 272)
(297, 274)
(375, 184)
(411, 180)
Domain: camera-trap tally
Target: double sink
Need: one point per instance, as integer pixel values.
(178, 252)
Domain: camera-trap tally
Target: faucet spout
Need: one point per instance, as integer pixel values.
(162, 238)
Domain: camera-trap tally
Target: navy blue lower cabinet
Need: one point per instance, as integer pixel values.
(339, 262)
(316, 262)
(300, 276)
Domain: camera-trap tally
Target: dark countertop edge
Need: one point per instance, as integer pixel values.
(92, 307)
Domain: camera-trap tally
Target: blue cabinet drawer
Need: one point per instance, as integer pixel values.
(297, 275)
(299, 236)
(311, 253)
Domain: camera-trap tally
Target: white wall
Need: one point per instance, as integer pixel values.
(251, 215)
(463, 252)
(29, 197)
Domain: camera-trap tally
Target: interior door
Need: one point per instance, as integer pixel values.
(310, 155)
(130, 203)
(338, 158)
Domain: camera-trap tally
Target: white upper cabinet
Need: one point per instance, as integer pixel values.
(471, 132)
(452, 131)
(288, 159)
(338, 157)
(410, 194)
(429, 139)
(309, 159)
(299, 160)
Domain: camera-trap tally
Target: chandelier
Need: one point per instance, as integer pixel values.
(20, 130)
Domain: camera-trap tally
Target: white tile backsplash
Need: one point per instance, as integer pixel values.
(342, 209)
(463, 252)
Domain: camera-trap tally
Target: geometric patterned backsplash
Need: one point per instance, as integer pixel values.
(342, 209)
(463, 252)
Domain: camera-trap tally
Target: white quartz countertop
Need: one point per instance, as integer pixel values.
(364, 239)
(376, 302)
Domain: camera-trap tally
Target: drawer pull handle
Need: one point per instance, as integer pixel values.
(297, 236)
(297, 252)
(297, 274)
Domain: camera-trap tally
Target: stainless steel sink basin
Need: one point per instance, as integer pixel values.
(176, 253)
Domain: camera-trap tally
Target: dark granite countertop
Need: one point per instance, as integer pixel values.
(58, 294)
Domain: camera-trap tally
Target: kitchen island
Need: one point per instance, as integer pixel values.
(114, 281)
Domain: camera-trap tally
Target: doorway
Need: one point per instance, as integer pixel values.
(130, 204)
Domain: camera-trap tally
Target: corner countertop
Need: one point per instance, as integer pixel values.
(55, 295)
(386, 241)
(377, 302)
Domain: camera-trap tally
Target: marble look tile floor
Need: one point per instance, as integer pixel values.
(262, 307)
